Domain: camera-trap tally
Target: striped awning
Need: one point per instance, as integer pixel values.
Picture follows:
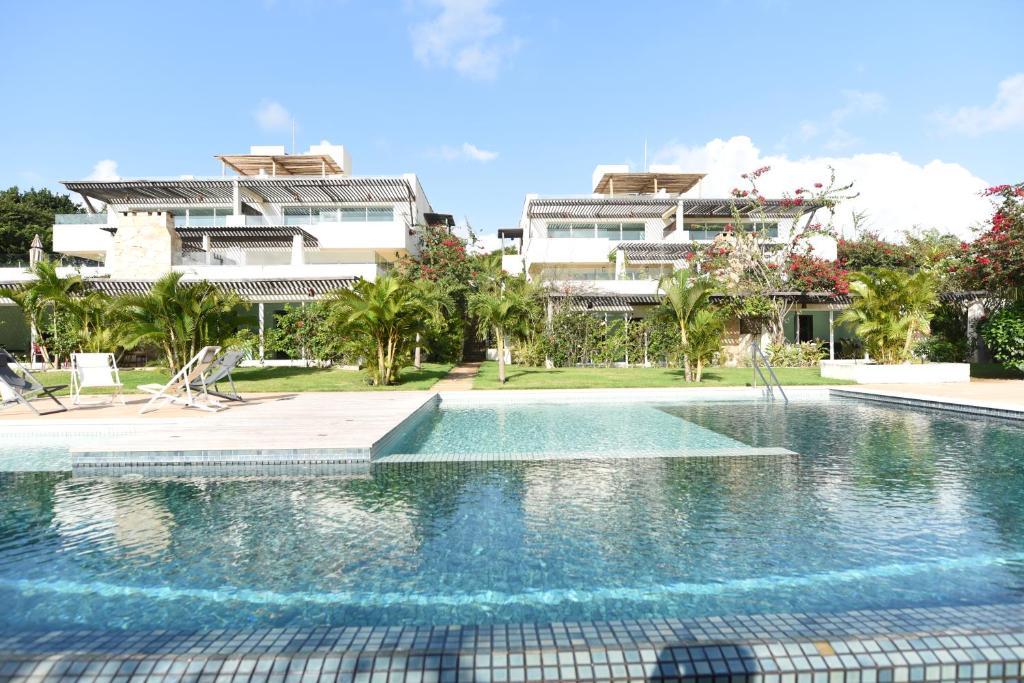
(283, 289)
(657, 207)
(264, 237)
(655, 252)
(220, 191)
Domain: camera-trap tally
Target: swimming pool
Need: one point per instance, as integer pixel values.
(883, 507)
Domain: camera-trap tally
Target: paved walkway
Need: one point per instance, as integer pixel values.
(460, 378)
(1002, 393)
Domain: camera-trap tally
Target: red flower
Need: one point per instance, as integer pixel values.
(818, 185)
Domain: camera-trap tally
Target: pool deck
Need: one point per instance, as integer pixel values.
(350, 424)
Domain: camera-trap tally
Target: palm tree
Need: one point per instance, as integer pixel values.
(177, 318)
(502, 309)
(48, 293)
(383, 318)
(90, 316)
(438, 300)
(889, 310)
(703, 340)
(686, 293)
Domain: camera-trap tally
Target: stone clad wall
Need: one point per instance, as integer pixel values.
(144, 246)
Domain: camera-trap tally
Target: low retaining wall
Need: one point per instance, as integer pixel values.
(863, 372)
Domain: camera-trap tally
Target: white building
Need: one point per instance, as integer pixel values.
(608, 249)
(277, 228)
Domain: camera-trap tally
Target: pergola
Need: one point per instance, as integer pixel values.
(303, 190)
(646, 183)
(281, 164)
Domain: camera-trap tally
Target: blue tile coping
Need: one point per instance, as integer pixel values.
(966, 643)
(931, 404)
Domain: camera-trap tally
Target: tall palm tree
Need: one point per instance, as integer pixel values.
(438, 302)
(91, 319)
(889, 310)
(503, 310)
(177, 318)
(685, 294)
(383, 318)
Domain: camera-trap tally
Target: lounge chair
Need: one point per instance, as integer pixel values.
(179, 390)
(18, 385)
(93, 370)
(220, 372)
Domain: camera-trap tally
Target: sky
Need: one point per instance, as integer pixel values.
(919, 104)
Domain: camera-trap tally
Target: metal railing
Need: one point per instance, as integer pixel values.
(757, 358)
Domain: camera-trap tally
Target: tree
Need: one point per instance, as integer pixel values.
(685, 294)
(177, 318)
(44, 300)
(703, 340)
(23, 214)
(382, 319)
(994, 262)
(1004, 335)
(503, 309)
(890, 310)
(752, 263)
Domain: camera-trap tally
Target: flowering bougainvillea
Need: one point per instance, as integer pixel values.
(807, 273)
(994, 262)
(868, 250)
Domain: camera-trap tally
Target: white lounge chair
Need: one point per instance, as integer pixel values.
(180, 390)
(95, 370)
(18, 385)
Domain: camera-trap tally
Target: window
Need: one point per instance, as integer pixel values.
(296, 215)
(610, 231)
(380, 214)
(633, 231)
(328, 215)
(704, 232)
(198, 217)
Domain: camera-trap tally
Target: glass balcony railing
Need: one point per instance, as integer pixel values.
(80, 219)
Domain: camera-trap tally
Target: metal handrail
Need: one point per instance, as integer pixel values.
(755, 352)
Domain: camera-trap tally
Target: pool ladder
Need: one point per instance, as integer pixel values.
(757, 359)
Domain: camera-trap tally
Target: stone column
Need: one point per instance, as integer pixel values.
(145, 245)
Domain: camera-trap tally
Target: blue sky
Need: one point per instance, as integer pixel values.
(489, 100)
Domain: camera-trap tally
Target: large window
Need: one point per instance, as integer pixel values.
(302, 215)
(200, 217)
(611, 231)
(705, 232)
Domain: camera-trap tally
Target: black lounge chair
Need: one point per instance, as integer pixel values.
(220, 371)
(22, 387)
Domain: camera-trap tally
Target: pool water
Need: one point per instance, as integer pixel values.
(882, 508)
(569, 429)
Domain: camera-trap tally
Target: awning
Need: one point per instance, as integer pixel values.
(660, 207)
(264, 237)
(220, 191)
(282, 289)
(655, 252)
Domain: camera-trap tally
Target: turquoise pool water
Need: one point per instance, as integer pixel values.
(558, 428)
(883, 508)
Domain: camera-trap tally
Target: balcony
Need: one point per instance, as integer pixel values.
(80, 219)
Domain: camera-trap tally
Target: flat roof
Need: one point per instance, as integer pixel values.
(281, 164)
(647, 183)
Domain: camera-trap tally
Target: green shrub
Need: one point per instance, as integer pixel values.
(802, 355)
(939, 349)
(1004, 335)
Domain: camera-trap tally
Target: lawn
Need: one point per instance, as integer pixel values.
(278, 379)
(614, 378)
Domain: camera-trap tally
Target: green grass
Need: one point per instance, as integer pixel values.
(615, 378)
(994, 371)
(277, 379)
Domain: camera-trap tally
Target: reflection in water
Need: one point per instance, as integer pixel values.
(881, 508)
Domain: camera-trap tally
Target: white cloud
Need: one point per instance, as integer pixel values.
(486, 243)
(855, 103)
(1007, 111)
(467, 151)
(104, 170)
(895, 194)
(467, 35)
(272, 116)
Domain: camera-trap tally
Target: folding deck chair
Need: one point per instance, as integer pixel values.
(89, 370)
(18, 385)
(180, 389)
(219, 372)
